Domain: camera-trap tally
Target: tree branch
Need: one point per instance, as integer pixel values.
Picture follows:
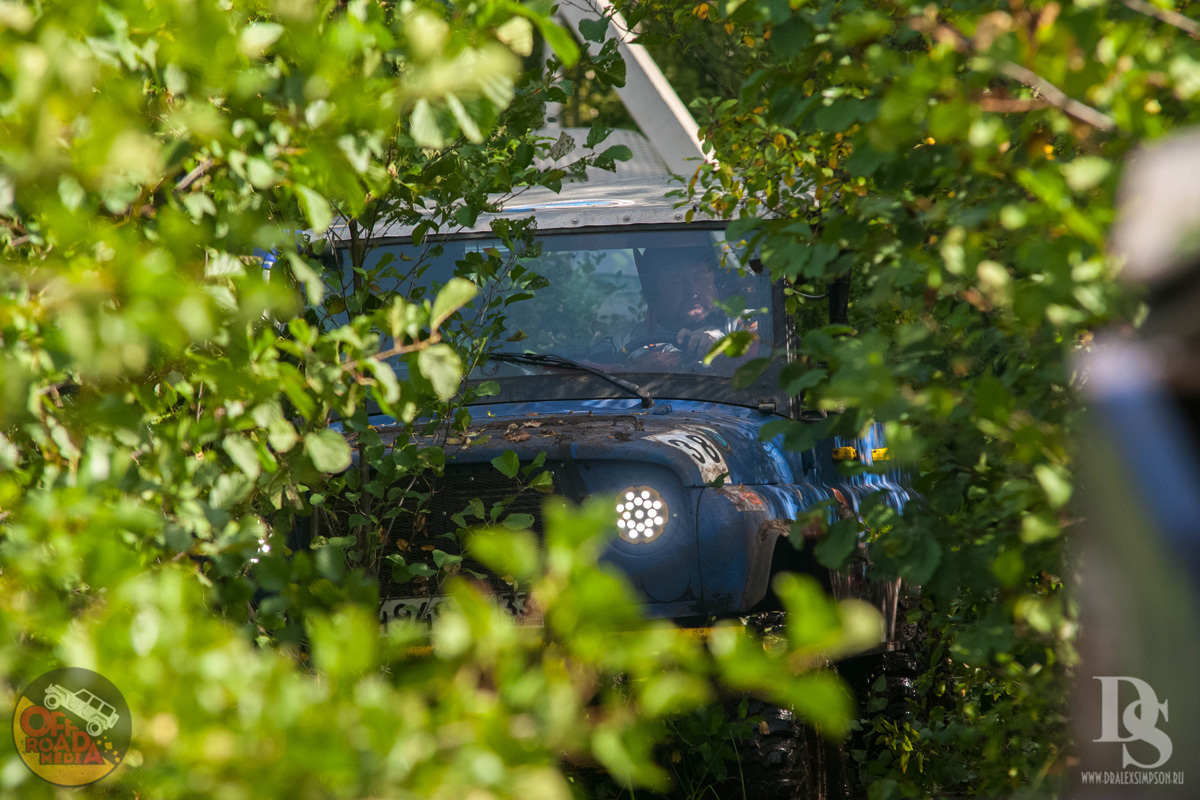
(194, 175)
(398, 350)
(1023, 75)
(1173, 18)
(1011, 105)
(1057, 97)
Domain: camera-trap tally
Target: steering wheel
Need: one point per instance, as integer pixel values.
(643, 356)
(645, 340)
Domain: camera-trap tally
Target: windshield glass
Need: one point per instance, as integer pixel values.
(622, 301)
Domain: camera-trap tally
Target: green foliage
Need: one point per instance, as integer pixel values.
(954, 167)
(957, 167)
(166, 409)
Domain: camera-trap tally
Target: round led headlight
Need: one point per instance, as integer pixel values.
(641, 514)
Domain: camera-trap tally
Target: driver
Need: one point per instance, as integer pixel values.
(680, 289)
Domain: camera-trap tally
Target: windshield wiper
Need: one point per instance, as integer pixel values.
(551, 360)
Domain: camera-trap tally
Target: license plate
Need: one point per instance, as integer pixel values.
(425, 609)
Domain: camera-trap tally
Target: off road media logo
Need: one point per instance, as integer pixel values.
(71, 727)
(1137, 722)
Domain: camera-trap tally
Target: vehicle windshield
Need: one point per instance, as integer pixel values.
(622, 301)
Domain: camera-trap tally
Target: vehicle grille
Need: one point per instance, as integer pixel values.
(417, 534)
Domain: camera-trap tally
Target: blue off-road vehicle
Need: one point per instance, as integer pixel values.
(607, 388)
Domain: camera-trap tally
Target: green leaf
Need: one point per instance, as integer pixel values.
(315, 207)
(791, 37)
(423, 126)
(835, 547)
(749, 372)
(10, 455)
(454, 295)
(1086, 172)
(513, 553)
(508, 463)
(442, 367)
(593, 29)
(840, 114)
(388, 384)
(314, 287)
(920, 560)
(618, 152)
(1037, 528)
(261, 174)
(400, 571)
(346, 643)
(731, 344)
(1009, 568)
(542, 482)
(178, 539)
(72, 194)
(559, 39)
(812, 619)
(243, 453)
(198, 204)
(518, 522)
(597, 133)
(468, 125)
(517, 33)
(808, 380)
(258, 37)
(328, 450)
(476, 508)
(883, 789)
(466, 215)
(1055, 483)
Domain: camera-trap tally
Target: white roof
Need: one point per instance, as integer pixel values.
(634, 195)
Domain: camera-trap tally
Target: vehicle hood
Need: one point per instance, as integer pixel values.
(705, 445)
